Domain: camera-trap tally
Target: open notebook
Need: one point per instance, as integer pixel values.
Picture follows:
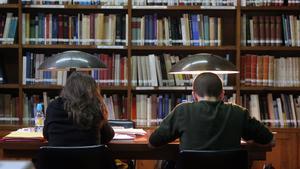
(24, 134)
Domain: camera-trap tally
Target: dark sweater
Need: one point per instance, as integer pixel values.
(59, 130)
(209, 125)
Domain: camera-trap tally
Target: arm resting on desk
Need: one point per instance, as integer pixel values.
(270, 144)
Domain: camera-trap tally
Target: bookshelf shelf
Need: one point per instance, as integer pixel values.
(73, 47)
(9, 86)
(271, 8)
(14, 46)
(58, 87)
(9, 6)
(173, 88)
(42, 86)
(269, 48)
(185, 8)
(183, 48)
(12, 127)
(262, 88)
(112, 88)
(75, 7)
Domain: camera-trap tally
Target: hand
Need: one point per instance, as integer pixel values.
(252, 142)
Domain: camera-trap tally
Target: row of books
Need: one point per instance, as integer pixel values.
(266, 70)
(134, 2)
(188, 30)
(8, 28)
(115, 75)
(261, 30)
(270, 2)
(274, 110)
(184, 2)
(162, 2)
(31, 74)
(83, 29)
(74, 2)
(9, 108)
(153, 70)
(116, 72)
(116, 105)
(149, 110)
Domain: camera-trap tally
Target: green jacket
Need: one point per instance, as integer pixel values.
(209, 125)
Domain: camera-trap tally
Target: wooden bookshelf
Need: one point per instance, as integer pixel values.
(12, 55)
(15, 46)
(270, 89)
(76, 7)
(231, 34)
(271, 8)
(269, 48)
(9, 6)
(9, 86)
(184, 48)
(68, 47)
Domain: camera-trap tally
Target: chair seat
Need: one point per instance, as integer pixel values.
(79, 157)
(213, 159)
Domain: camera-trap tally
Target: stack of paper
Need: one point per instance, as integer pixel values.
(130, 131)
(127, 133)
(123, 137)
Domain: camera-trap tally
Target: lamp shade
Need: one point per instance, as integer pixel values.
(203, 62)
(72, 60)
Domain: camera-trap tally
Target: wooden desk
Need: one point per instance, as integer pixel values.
(123, 149)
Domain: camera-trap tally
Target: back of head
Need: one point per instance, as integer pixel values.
(81, 100)
(208, 84)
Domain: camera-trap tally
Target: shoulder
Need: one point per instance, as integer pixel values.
(235, 106)
(182, 106)
(58, 100)
(57, 103)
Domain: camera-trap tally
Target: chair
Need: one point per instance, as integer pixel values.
(122, 123)
(79, 157)
(213, 159)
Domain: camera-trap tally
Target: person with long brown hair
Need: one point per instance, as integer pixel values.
(79, 116)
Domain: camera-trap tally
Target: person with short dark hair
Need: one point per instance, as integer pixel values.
(208, 123)
(79, 116)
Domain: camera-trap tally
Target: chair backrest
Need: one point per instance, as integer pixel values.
(79, 157)
(122, 123)
(213, 159)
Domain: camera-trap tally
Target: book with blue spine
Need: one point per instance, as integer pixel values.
(160, 112)
(195, 30)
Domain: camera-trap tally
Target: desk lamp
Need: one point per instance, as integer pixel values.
(203, 62)
(72, 61)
